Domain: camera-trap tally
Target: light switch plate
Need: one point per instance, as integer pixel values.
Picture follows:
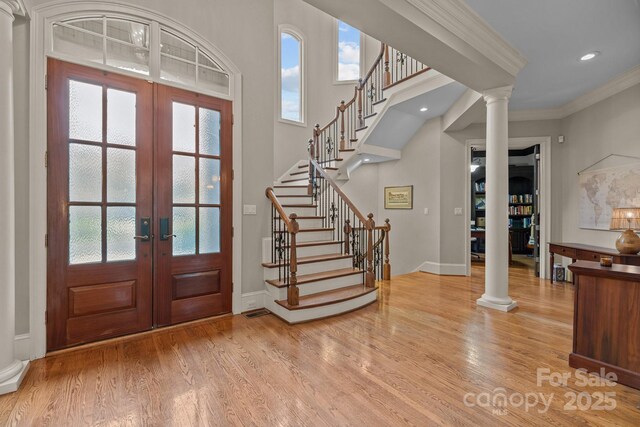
(249, 209)
(457, 211)
(426, 211)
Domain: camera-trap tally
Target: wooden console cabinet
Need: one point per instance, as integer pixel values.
(578, 251)
(606, 320)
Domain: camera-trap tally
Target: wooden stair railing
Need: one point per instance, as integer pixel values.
(362, 239)
(389, 68)
(284, 230)
(381, 263)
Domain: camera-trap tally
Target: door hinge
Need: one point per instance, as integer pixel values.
(46, 159)
(46, 81)
(46, 240)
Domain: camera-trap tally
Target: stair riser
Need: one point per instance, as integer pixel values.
(311, 211)
(305, 315)
(314, 236)
(295, 200)
(315, 287)
(299, 190)
(311, 268)
(319, 250)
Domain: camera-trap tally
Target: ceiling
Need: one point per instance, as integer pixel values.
(554, 34)
(401, 121)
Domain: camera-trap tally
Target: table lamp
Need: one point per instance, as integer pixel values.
(626, 219)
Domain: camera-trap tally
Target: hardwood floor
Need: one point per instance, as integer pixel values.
(410, 359)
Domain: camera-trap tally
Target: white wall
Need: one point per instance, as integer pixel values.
(611, 126)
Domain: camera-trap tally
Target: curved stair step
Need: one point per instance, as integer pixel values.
(309, 260)
(328, 297)
(317, 277)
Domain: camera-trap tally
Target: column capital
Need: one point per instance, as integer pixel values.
(496, 94)
(13, 7)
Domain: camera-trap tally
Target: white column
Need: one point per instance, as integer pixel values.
(11, 370)
(496, 282)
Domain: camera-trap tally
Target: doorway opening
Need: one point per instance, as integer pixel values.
(528, 202)
(139, 212)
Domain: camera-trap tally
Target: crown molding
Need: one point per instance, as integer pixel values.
(18, 7)
(462, 21)
(617, 85)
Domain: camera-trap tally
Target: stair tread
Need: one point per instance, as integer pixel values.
(313, 230)
(299, 205)
(294, 195)
(309, 259)
(317, 277)
(328, 297)
(362, 128)
(370, 115)
(298, 173)
(296, 180)
(304, 217)
(348, 149)
(379, 101)
(290, 186)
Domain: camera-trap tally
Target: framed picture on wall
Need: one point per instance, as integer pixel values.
(398, 197)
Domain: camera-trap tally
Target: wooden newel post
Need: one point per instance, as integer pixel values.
(347, 233)
(293, 294)
(341, 109)
(386, 272)
(370, 280)
(387, 73)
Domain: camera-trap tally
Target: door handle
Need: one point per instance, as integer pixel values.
(164, 229)
(145, 230)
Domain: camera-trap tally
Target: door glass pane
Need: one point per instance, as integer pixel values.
(121, 117)
(184, 227)
(184, 128)
(85, 173)
(85, 234)
(176, 70)
(184, 179)
(121, 227)
(131, 32)
(209, 181)
(209, 132)
(174, 46)
(85, 111)
(121, 175)
(209, 230)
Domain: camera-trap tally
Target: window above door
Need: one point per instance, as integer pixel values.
(142, 48)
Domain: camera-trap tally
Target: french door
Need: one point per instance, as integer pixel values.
(139, 205)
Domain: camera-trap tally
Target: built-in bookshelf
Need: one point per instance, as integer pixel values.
(521, 207)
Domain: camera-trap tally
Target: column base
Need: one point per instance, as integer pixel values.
(12, 384)
(507, 306)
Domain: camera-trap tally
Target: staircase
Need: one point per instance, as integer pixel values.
(325, 256)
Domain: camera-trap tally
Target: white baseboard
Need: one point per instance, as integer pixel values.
(443, 269)
(22, 347)
(253, 300)
(12, 384)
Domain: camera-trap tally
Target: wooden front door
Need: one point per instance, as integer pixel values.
(194, 209)
(118, 189)
(100, 192)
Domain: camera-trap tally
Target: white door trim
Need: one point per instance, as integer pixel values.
(544, 198)
(40, 18)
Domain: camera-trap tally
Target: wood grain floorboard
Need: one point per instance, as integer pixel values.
(408, 359)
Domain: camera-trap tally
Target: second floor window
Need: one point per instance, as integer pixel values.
(291, 68)
(348, 52)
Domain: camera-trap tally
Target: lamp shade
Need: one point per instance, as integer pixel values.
(625, 218)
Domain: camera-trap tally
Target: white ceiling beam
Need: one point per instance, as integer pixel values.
(466, 110)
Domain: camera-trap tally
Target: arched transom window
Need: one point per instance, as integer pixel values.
(144, 48)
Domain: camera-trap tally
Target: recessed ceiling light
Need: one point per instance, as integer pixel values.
(367, 159)
(423, 109)
(589, 56)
